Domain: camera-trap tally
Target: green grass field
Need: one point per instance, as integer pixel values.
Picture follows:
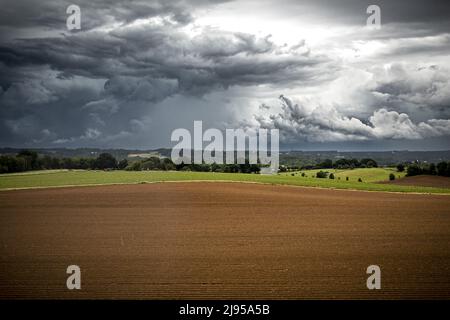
(366, 174)
(59, 178)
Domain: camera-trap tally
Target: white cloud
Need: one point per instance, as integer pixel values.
(321, 124)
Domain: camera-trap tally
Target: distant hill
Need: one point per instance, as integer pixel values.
(90, 152)
(291, 158)
(300, 158)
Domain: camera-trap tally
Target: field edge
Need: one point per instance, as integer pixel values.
(222, 181)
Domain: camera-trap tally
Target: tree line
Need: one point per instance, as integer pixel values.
(27, 160)
(343, 164)
(156, 163)
(414, 169)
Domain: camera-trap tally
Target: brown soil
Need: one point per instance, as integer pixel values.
(423, 181)
(222, 240)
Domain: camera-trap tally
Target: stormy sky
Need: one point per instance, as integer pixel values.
(136, 70)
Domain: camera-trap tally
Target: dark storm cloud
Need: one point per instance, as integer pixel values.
(52, 13)
(431, 15)
(99, 86)
(131, 66)
(212, 58)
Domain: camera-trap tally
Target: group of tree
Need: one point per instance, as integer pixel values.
(155, 163)
(414, 169)
(27, 160)
(344, 164)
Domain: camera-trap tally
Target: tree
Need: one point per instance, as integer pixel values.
(30, 157)
(442, 168)
(87, 163)
(105, 161)
(215, 167)
(134, 166)
(331, 175)
(347, 163)
(413, 170)
(391, 176)
(152, 163)
(244, 168)
(432, 169)
(354, 163)
(369, 163)
(12, 164)
(46, 162)
(167, 164)
(326, 164)
(122, 164)
(359, 180)
(321, 174)
(231, 168)
(180, 166)
(67, 163)
(254, 168)
(204, 167)
(400, 167)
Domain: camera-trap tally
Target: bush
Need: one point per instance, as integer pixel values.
(400, 167)
(331, 175)
(303, 174)
(321, 174)
(391, 176)
(359, 180)
(346, 178)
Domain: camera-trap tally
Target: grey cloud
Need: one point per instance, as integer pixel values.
(52, 13)
(102, 85)
(139, 65)
(216, 44)
(221, 59)
(431, 15)
(401, 84)
(140, 88)
(296, 123)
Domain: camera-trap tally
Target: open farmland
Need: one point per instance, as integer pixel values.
(423, 180)
(222, 240)
(60, 178)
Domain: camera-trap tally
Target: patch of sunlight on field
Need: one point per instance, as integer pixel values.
(97, 177)
(366, 174)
